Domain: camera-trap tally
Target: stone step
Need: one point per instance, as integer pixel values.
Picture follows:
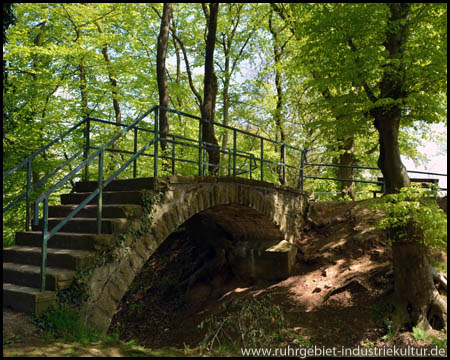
(26, 299)
(30, 275)
(86, 225)
(61, 258)
(117, 185)
(90, 211)
(109, 197)
(76, 241)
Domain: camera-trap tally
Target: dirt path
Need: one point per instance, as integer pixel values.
(22, 338)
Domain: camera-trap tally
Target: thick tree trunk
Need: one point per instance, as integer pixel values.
(83, 90)
(394, 172)
(210, 92)
(163, 90)
(392, 88)
(417, 301)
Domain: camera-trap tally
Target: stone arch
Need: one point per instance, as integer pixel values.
(110, 282)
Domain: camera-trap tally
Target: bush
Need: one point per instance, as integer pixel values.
(414, 215)
(64, 323)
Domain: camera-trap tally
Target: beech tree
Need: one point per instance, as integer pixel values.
(351, 73)
(385, 51)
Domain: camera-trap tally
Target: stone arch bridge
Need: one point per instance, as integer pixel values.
(262, 219)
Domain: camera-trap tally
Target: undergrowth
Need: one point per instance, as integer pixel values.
(253, 322)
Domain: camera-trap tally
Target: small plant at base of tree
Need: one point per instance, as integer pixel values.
(413, 215)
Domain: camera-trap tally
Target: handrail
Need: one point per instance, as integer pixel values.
(32, 156)
(29, 187)
(103, 148)
(46, 235)
(377, 182)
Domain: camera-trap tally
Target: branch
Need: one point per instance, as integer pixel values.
(188, 69)
(366, 87)
(186, 61)
(100, 17)
(75, 26)
(282, 12)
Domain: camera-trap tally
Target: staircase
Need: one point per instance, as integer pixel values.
(73, 248)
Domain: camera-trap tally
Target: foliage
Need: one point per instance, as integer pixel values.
(413, 214)
(55, 74)
(422, 335)
(66, 323)
(390, 329)
(78, 292)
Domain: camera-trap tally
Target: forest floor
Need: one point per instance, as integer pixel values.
(339, 295)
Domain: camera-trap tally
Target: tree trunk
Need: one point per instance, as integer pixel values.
(387, 117)
(83, 91)
(394, 172)
(178, 78)
(417, 301)
(277, 52)
(111, 166)
(348, 159)
(210, 92)
(163, 90)
(226, 102)
(112, 78)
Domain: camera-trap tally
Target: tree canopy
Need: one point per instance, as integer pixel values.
(309, 75)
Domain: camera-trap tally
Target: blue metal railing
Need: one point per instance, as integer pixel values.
(28, 162)
(233, 154)
(250, 161)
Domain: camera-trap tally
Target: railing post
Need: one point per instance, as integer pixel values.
(27, 200)
(155, 152)
(200, 146)
(204, 161)
(135, 151)
(36, 213)
(100, 193)
(44, 243)
(283, 155)
(262, 159)
(229, 162)
(173, 155)
(302, 165)
(86, 149)
(234, 152)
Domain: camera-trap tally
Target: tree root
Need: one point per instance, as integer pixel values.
(440, 279)
(427, 317)
(355, 277)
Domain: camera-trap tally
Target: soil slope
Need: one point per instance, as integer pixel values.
(339, 293)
